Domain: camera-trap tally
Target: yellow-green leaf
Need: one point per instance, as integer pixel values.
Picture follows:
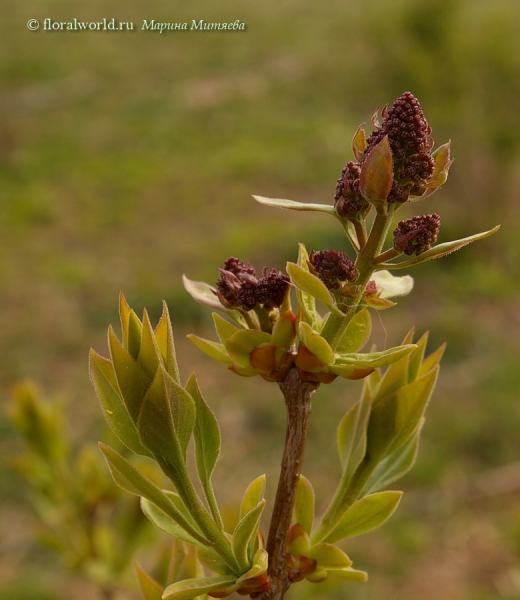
(365, 515)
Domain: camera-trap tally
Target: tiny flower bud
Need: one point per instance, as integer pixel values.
(333, 268)
(271, 288)
(416, 235)
(348, 202)
(237, 284)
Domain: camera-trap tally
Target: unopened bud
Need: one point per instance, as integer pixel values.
(416, 235)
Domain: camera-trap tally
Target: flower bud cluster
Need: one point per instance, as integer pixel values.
(333, 268)
(410, 168)
(409, 136)
(416, 235)
(348, 201)
(238, 286)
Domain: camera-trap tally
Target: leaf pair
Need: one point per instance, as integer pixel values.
(377, 442)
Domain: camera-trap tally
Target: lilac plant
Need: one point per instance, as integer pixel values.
(260, 333)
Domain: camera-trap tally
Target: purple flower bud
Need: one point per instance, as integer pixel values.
(416, 235)
(237, 283)
(271, 289)
(333, 268)
(409, 137)
(348, 202)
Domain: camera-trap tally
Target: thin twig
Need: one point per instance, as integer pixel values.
(297, 394)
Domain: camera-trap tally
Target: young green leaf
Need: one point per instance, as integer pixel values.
(164, 336)
(212, 349)
(253, 495)
(356, 334)
(204, 294)
(244, 533)
(240, 345)
(293, 205)
(306, 301)
(131, 379)
(149, 354)
(416, 358)
(395, 418)
(167, 418)
(224, 328)
(304, 504)
(352, 437)
(130, 479)
(192, 588)
(135, 330)
(170, 526)
(330, 557)
(394, 466)
(365, 515)
(316, 344)
(310, 284)
(439, 251)
(114, 410)
(373, 360)
(150, 589)
(207, 444)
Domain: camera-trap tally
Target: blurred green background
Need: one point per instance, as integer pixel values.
(129, 158)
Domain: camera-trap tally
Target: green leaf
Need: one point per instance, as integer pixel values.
(170, 526)
(164, 336)
(253, 495)
(211, 560)
(356, 334)
(128, 478)
(293, 205)
(352, 437)
(395, 418)
(124, 316)
(149, 357)
(394, 466)
(244, 533)
(365, 515)
(309, 283)
(207, 444)
(243, 342)
(395, 377)
(373, 360)
(224, 328)
(351, 574)
(135, 329)
(330, 557)
(316, 344)
(390, 286)
(259, 566)
(304, 504)
(167, 418)
(131, 379)
(431, 361)
(439, 251)
(114, 410)
(416, 358)
(191, 588)
(306, 301)
(212, 349)
(150, 589)
(204, 294)
(284, 332)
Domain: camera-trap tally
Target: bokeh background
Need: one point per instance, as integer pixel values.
(127, 159)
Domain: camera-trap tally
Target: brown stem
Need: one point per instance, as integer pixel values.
(297, 394)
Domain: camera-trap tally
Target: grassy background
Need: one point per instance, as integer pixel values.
(129, 158)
